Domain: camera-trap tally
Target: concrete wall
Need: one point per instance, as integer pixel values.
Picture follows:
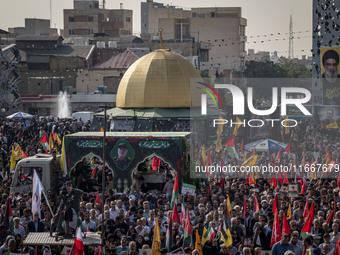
(112, 22)
(88, 80)
(86, 4)
(227, 45)
(34, 27)
(152, 11)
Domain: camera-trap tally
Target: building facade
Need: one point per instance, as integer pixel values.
(221, 49)
(35, 27)
(87, 19)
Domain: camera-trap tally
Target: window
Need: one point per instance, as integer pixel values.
(128, 19)
(90, 31)
(96, 5)
(90, 18)
(242, 30)
(71, 31)
(193, 15)
(71, 19)
(212, 15)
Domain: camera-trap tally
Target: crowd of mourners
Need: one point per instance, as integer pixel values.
(129, 219)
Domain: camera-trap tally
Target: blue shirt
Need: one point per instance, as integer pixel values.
(280, 249)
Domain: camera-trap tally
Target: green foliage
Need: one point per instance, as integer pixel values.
(288, 69)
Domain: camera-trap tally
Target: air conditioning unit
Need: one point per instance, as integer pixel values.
(101, 89)
(101, 45)
(112, 44)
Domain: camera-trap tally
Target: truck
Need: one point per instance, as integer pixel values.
(85, 116)
(171, 147)
(22, 179)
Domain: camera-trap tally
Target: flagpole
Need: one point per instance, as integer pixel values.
(48, 203)
(103, 183)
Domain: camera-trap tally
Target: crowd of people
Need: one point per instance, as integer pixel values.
(129, 219)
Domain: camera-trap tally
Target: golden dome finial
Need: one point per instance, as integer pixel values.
(161, 46)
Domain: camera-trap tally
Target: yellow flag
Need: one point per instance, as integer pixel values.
(228, 203)
(156, 243)
(289, 212)
(220, 127)
(204, 157)
(56, 138)
(219, 143)
(333, 125)
(198, 243)
(17, 152)
(205, 236)
(250, 161)
(226, 238)
(101, 129)
(63, 165)
(286, 128)
(50, 143)
(237, 126)
(13, 161)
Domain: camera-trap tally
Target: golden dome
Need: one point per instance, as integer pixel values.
(158, 79)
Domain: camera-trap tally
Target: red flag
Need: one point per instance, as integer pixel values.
(222, 164)
(273, 181)
(208, 191)
(307, 228)
(285, 226)
(303, 189)
(174, 192)
(241, 146)
(159, 163)
(209, 161)
(244, 207)
(276, 234)
(188, 229)
(321, 124)
(175, 215)
(330, 216)
(285, 179)
(94, 171)
(98, 201)
(222, 183)
(18, 135)
(154, 163)
(78, 246)
(23, 153)
(230, 142)
(256, 205)
(287, 149)
(278, 155)
(338, 180)
(306, 210)
(275, 211)
(337, 248)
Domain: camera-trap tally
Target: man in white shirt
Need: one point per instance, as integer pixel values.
(18, 229)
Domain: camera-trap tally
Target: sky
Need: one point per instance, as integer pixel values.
(266, 19)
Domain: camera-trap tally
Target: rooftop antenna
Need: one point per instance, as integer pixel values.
(161, 46)
(291, 37)
(51, 14)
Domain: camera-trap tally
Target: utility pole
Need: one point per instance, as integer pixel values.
(103, 182)
(291, 37)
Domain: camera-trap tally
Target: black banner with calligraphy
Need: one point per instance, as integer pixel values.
(125, 153)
